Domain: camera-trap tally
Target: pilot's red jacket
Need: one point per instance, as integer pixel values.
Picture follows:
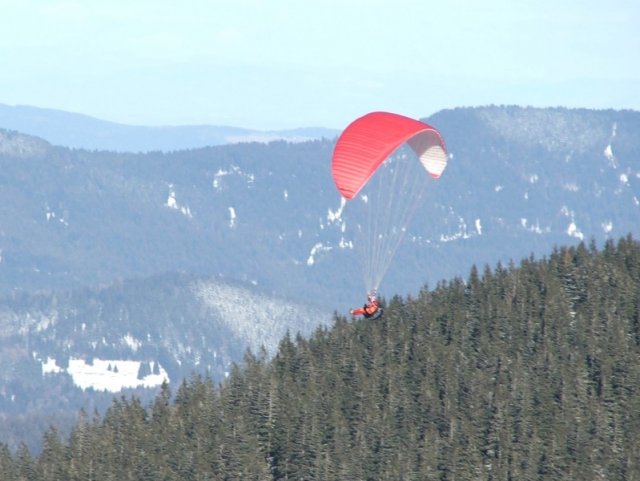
(367, 310)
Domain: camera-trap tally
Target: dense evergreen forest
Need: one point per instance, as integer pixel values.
(520, 372)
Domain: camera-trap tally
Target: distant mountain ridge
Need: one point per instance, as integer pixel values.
(84, 132)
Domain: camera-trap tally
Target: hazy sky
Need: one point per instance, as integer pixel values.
(274, 64)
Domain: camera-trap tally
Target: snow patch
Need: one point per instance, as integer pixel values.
(132, 342)
(172, 203)
(217, 178)
(462, 233)
(608, 153)
(51, 215)
(50, 367)
(533, 178)
(336, 216)
(535, 228)
(607, 227)
(574, 231)
(108, 375)
(112, 375)
(498, 188)
(232, 217)
(319, 247)
(345, 244)
(571, 187)
(624, 179)
(478, 227)
(233, 170)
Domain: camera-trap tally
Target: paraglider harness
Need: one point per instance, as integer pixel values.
(371, 310)
(373, 302)
(374, 315)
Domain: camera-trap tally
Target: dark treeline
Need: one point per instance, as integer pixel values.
(527, 372)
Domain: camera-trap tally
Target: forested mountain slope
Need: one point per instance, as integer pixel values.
(528, 371)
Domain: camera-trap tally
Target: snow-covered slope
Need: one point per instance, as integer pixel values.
(139, 334)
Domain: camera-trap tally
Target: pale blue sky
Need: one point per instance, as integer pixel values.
(274, 64)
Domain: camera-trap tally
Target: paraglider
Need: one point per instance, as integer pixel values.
(369, 140)
(371, 163)
(371, 310)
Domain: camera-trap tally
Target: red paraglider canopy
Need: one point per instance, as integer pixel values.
(369, 140)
